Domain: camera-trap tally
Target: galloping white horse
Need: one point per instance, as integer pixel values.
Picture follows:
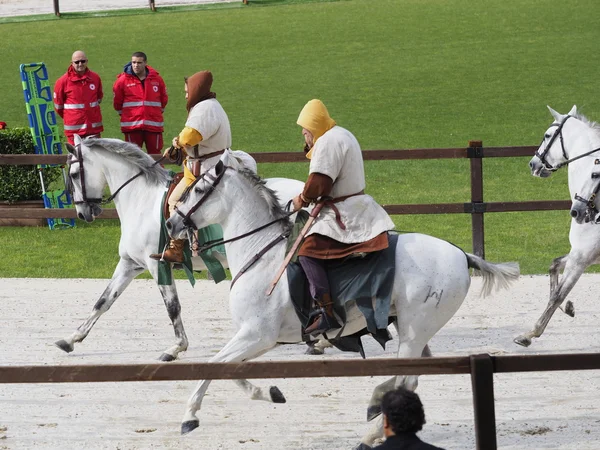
(138, 185)
(573, 141)
(431, 278)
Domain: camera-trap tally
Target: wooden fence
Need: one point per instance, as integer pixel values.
(477, 207)
(480, 367)
(151, 5)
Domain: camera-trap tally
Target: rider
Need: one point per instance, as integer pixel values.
(350, 222)
(204, 138)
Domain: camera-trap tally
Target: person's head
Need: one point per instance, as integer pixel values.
(402, 412)
(138, 63)
(79, 62)
(315, 121)
(197, 88)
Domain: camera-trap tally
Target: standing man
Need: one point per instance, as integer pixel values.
(205, 136)
(350, 222)
(77, 97)
(140, 99)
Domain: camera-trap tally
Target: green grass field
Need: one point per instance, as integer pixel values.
(397, 73)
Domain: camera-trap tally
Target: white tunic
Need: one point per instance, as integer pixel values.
(337, 154)
(210, 119)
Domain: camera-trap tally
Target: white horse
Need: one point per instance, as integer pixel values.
(573, 141)
(138, 185)
(431, 278)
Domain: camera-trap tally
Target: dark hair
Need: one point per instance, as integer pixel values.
(404, 410)
(140, 55)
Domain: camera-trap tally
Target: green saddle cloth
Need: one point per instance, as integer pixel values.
(208, 234)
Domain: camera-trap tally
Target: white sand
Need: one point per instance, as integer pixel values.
(546, 410)
(29, 7)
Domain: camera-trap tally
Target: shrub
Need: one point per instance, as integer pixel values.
(19, 183)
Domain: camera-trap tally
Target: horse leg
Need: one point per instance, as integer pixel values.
(571, 274)
(406, 349)
(317, 347)
(245, 345)
(125, 271)
(374, 408)
(557, 265)
(171, 299)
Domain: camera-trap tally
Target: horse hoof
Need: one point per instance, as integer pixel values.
(189, 425)
(64, 346)
(276, 395)
(570, 309)
(312, 350)
(523, 341)
(362, 446)
(372, 412)
(166, 357)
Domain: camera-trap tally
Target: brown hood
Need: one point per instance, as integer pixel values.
(199, 86)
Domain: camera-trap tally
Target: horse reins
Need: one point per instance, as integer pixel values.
(98, 201)
(189, 224)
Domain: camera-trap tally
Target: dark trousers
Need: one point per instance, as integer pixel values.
(317, 276)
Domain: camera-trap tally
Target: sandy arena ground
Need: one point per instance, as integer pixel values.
(546, 410)
(29, 7)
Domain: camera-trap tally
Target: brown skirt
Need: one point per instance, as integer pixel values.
(323, 247)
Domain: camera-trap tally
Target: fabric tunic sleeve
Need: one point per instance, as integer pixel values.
(189, 137)
(204, 120)
(328, 157)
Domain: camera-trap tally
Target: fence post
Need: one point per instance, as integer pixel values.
(475, 154)
(56, 8)
(482, 382)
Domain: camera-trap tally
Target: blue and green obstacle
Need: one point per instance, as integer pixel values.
(45, 133)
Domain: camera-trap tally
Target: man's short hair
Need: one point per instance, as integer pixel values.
(404, 410)
(140, 55)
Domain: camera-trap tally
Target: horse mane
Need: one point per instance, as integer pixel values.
(595, 126)
(154, 173)
(270, 197)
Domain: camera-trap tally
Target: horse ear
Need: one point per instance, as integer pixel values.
(219, 168)
(78, 139)
(71, 149)
(557, 116)
(573, 111)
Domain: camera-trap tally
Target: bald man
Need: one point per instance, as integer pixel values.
(77, 97)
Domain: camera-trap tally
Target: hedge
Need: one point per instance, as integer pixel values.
(19, 183)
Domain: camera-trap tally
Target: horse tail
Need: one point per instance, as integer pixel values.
(500, 275)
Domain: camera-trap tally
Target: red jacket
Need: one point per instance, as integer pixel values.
(77, 100)
(140, 104)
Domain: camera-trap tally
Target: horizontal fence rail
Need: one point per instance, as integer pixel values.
(480, 367)
(477, 207)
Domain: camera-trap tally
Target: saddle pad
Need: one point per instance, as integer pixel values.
(366, 280)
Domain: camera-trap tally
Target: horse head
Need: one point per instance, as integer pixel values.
(552, 153)
(201, 205)
(86, 185)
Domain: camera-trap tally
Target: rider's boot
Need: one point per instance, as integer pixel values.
(322, 319)
(173, 254)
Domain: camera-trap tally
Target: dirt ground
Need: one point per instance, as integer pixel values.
(546, 410)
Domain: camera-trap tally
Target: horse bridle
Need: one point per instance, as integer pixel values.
(95, 201)
(189, 224)
(544, 153)
(567, 161)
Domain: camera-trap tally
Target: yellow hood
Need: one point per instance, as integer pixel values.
(315, 118)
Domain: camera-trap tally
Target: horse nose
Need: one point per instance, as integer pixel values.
(169, 225)
(80, 215)
(574, 213)
(531, 164)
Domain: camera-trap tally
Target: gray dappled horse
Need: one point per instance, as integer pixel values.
(431, 278)
(573, 141)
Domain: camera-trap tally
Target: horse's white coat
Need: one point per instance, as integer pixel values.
(578, 137)
(432, 279)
